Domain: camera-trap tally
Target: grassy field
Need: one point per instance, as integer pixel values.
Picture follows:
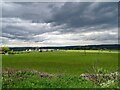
(70, 62)
(61, 61)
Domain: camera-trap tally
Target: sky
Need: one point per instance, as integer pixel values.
(59, 24)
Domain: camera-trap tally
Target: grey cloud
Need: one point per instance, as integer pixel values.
(102, 37)
(38, 12)
(66, 18)
(16, 33)
(26, 31)
(86, 14)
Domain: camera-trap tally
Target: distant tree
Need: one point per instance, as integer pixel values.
(5, 49)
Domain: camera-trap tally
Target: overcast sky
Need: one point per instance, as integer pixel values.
(59, 24)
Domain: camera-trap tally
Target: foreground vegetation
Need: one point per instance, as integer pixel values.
(31, 79)
(60, 69)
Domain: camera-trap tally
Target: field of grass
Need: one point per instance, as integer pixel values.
(71, 63)
(61, 62)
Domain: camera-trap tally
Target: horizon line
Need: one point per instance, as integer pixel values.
(60, 45)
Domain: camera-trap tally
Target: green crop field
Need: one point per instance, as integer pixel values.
(61, 61)
(69, 62)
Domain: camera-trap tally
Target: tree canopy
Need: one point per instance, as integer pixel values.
(5, 49)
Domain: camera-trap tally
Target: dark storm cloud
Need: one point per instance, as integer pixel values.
(74, 14)
(38, 12)
(86, 14)
(59, 23)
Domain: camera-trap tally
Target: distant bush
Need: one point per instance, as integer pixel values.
(11, 52)
(40, 50)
